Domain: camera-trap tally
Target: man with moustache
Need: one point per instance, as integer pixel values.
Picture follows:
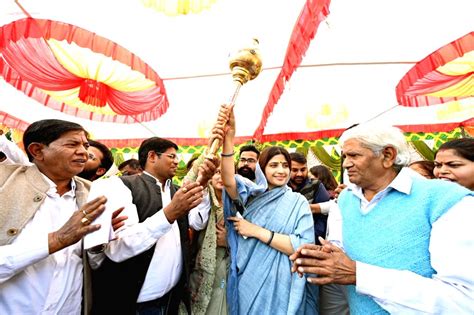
(43, 217)
(99, 161)
(401, 244)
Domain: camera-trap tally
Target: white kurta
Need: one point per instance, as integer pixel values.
(31, 280)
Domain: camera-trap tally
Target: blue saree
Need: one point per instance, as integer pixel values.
(260, 279)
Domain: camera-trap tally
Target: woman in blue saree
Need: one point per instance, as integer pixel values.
(273, 222)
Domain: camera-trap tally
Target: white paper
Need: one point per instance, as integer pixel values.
(238, 215)
(103, 187)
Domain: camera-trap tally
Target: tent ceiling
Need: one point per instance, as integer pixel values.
(348, 74)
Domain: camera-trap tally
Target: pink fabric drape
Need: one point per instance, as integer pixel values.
(423, 77)
(34, 62)
(27, 63)
(433, 82)
(313, 13)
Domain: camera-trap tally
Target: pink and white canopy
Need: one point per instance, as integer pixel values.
(126, 71)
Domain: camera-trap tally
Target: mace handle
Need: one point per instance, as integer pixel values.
(212, 152)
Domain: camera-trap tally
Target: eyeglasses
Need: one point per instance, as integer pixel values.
(170, 155)
(248, 161)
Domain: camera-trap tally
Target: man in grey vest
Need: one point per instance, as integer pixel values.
(146, 269)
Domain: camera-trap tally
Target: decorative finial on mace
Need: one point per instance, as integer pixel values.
(245, 65)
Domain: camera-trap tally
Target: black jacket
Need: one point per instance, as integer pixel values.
(116, 286)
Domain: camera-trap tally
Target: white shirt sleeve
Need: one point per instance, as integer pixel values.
(199, 215)
(134, 237)
(334, 226)
(450, 291)
(17, 256)
(13, 153)
(325, 207)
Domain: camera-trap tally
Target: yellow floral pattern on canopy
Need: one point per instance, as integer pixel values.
(322, 149)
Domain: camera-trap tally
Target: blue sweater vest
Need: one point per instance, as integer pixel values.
(395, 234)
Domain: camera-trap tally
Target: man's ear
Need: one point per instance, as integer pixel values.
(36, 150)
(100, 171)
(152, 156)
(389, 155)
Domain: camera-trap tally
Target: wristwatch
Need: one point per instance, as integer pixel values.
(97, 249)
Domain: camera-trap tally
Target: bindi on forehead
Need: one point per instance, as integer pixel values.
(278, 161)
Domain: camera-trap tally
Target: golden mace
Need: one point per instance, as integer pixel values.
(246, 65)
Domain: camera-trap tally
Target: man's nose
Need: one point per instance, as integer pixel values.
(82, 149)
(346, 163)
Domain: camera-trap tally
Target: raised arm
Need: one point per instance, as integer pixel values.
(227, 162)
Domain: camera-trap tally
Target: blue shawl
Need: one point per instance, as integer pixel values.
(260, 279)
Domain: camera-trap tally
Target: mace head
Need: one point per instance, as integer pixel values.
(246, 63)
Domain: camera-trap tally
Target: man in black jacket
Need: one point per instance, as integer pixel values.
(313, 190)
(146, 269)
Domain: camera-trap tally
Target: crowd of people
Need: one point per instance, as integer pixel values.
(248, 232)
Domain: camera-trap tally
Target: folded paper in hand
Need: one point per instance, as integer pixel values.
(103, 187)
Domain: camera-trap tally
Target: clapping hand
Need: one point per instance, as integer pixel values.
(328, 261)
(77, 226)
(118, 222)
(185, 199)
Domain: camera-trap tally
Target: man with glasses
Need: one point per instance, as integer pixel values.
(247, 163)
(146, 268)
